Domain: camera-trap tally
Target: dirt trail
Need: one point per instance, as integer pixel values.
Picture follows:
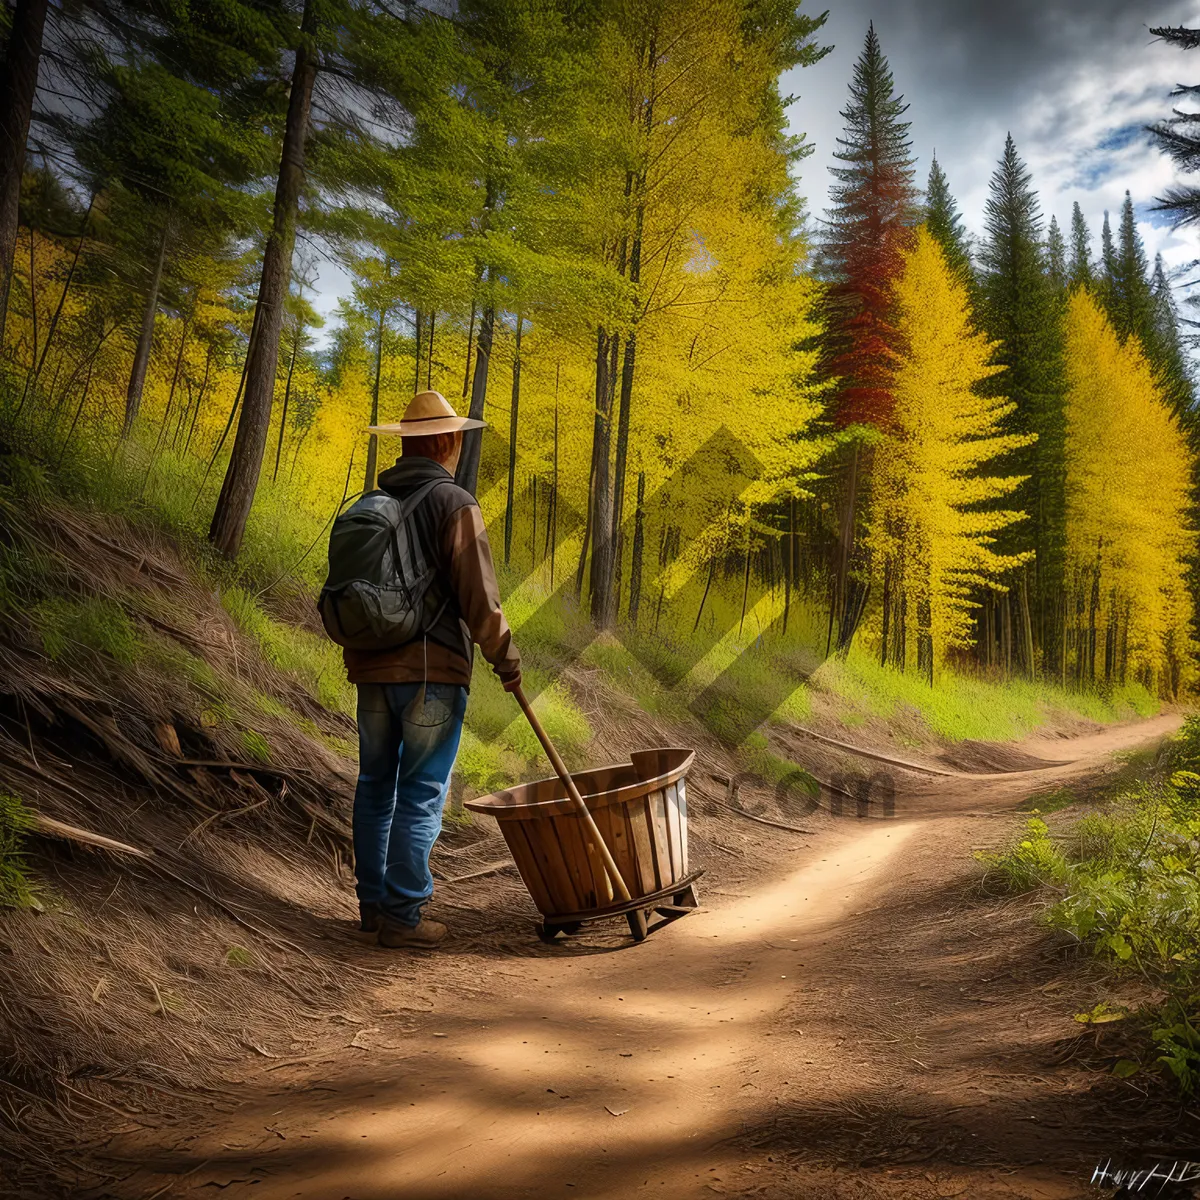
(842, 1023)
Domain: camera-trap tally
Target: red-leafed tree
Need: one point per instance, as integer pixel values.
(866, 233)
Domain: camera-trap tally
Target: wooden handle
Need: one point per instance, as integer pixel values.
(614, 873)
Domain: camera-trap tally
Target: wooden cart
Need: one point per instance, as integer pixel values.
(639, 810)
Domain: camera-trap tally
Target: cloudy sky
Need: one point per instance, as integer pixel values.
(1074, 81)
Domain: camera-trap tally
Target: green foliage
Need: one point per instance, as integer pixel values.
(255, 745)
(1035, 861)
(16, 888)
(315, 661)
(96, 623)
(1128, 878)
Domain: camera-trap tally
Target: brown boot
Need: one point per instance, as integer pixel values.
(422, 936)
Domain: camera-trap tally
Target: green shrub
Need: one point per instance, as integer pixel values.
(1131, 892)
(1035, 861)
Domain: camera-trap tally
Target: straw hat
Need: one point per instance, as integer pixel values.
(427, 414)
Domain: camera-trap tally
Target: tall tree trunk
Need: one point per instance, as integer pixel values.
(467, 475)
(470, 340)
(241, 479)
(18, 84)
(887, 611)
(287, 397)
(628, 366)
(373, 440)
(141, 355)
(639, 538)
(199, 399)
(419, 333)
(429, 356)
(602, 530)
(552, 526)
(746, 575)
(513, 413)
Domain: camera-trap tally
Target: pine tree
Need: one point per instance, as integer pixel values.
(1079, 272)
(1165, 348)
(1179, 137)
(1106, 268)
(943, 221)
(1130, 304)
(1056, 257)
(866, 234)
(867, 231)
(932, 537)
(1020, 312)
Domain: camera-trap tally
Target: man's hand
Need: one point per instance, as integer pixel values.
(512, 682)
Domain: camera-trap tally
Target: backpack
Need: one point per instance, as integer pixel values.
(378, 594)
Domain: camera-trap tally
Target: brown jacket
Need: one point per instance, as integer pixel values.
(451, 527)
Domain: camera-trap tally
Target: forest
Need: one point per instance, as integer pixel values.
(720, 425)
(875, 512)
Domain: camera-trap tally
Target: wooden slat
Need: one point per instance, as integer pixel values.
(673, 830)
(571, 838)
(681, 793)
(656, 808)
(543, 837)
(619, 843)
(603, 818)
(639, 834)
(527, 863)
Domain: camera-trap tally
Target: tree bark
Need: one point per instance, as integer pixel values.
(245, 464)
(513, 414)
(373, 440)
(602, 530)
(18, 85)
(635, 568)
(287, 396)
(141, 355)
(467, 475)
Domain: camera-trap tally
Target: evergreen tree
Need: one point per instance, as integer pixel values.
(1020, 312)
(1179, 137)
(942, 219)
(1056, 257)
(1165, 348)
(1108, 260)
(1130, 305)
(866, 234)
(1079, 273)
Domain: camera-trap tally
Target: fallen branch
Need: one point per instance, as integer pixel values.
(873, 754)
(494, 869)
(741, 812)
(72, 833)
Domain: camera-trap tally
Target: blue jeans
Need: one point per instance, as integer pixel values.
(408, 736)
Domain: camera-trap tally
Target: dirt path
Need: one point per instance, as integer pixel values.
(843, 1022)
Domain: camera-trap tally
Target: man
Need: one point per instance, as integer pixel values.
(411, 698)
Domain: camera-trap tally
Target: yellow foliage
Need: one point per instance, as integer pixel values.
(1128, 472)
(929, 535)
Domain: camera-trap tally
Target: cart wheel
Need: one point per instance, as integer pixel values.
(637, 924)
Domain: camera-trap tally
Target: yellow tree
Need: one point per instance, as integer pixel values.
(1128, 470)
(937, 466)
